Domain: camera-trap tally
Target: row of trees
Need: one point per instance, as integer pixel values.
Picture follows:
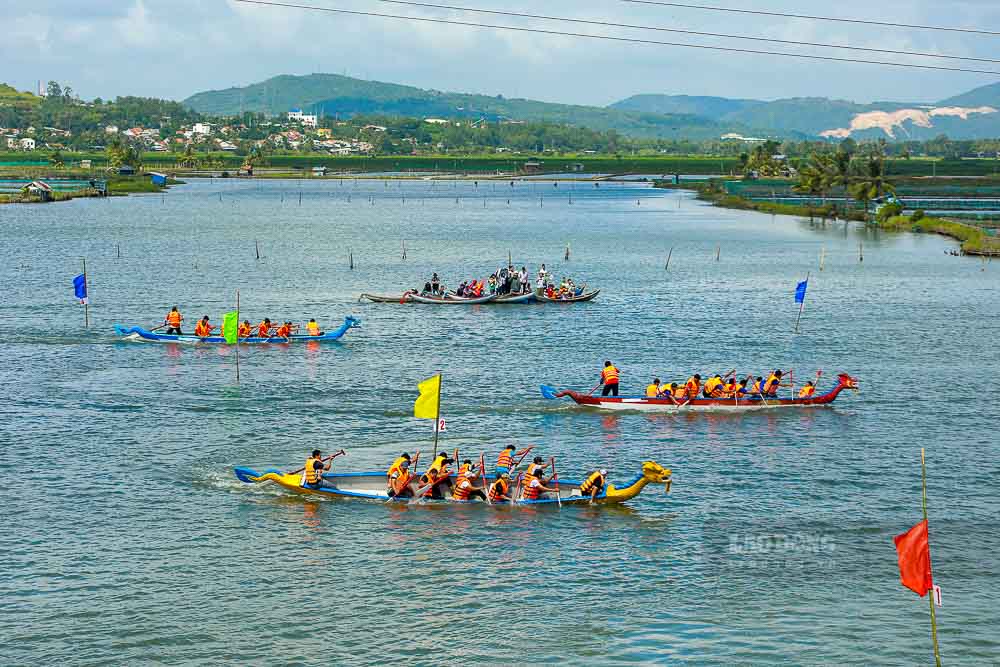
(861, 176)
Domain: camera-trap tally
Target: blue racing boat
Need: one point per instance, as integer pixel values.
(140, 334)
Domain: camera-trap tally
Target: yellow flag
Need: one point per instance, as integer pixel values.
(427, 404)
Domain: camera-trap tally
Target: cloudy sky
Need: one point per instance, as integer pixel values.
(173, 48)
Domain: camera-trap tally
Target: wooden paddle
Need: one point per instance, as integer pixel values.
(524, 452)
(517, 489)
(157, 328)
(482, 471)
(325, 458)
(555, 477)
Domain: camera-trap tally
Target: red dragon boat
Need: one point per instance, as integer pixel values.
(700, 404)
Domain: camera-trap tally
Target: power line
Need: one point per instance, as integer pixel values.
(629, 40)
(814, 18)
(687, 32)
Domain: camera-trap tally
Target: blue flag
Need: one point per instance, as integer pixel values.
(800, 291)
(80, 288)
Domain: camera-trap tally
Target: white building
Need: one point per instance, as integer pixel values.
(201, 128)
(436, 121)
(309, 120)
(27, 144)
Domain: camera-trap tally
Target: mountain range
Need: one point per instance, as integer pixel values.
(971, 115)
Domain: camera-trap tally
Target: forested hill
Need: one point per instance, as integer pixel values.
(332, 94)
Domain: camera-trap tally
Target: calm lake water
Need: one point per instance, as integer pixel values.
(127, 540)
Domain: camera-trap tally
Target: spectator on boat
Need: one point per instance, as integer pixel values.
(312, 474)
(203, 329)
(427, 290)
(534, 487)
(244, 330)
(609, 378)
(808, 390)
(515, 283)
(435, 284)
(594, 484)
(500, 489)
(173, 321)
(653, 390)
(491, 284)
(506, 460)
(692, 386)
(264, 329)
(313, 329)
(525, 282)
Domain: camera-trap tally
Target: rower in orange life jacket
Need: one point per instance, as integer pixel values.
(692, 386)
(284, 331)
(594, 484)
(500, 489)
(264, 329)
(203, 329)
(609, 378)
(244, 329)
(537, 464)
(173, 321)
(312, 475)
(398, 477)
(437, 473)
(653, 390)
(808, 390)
(464, 489)
(534, 487)
(772, 384)
(757, 387)
(676, 390)
(713, 387)
(506, 460)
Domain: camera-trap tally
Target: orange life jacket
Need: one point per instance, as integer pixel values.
(713, 387)
(807, 391)
(609, 375)
(462, 490)
(174, 318)
(263, 330)
(284, 331)
(531, 490)
(729, 388)
(681, 392)
(505, 460)
(498, 489)
(312, 474)
(692, 386)
(772, 384)
(244, 330)
(202, 329)
(401, 481)
(397, 466)
(595, 479)
(312, 328)
(755, 389)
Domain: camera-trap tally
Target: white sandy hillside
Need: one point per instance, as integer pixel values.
(889, 121)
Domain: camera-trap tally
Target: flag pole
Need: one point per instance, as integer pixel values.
(86, 294)
(237, 336)
(802, 304)
(437, 419)
(930, 598)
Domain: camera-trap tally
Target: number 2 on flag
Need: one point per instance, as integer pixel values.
(441, 426)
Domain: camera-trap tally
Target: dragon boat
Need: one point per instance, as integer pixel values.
(451, 300)
(700, 404)
(372, 486)
(570, 299)
(140, 334)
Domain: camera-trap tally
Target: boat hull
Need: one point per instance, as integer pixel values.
(143, 335)
(382, 298)
(515, 298)
(573, 299)
(451, 301)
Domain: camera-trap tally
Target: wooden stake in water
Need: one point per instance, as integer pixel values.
(256, 247)
(566, 258)
(118, 251)
(861, 251)
(718, 251)
(237, 336)
(86, 301)
(404, 249)
(350, 259)
(509, 261)
(666, 267)
(822, 256)
(930, 598)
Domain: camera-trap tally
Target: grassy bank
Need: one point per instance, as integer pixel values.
(713, 191)
(974, 240)
(118, 186)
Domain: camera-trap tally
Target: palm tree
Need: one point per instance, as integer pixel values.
(188, 158)
(871, 183)
(56, 160)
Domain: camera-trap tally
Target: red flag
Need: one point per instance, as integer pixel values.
(915, 559)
